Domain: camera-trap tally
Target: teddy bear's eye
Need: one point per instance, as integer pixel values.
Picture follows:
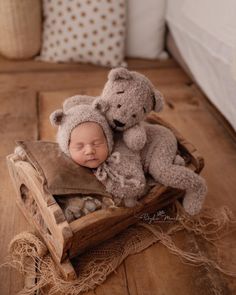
(144, 110)
(134, 116)
(118, 106)
(119, 92)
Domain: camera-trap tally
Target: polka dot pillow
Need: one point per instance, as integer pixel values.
(84, 31)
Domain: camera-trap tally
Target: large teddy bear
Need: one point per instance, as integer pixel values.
(125, 101)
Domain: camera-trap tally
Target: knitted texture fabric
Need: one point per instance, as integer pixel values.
(125, 101)
(124, 88)
(69, 119)
(159, 159)
(122, 173)
(123, 177)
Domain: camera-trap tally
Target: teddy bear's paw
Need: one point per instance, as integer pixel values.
(135, 138)
(130, 202)
(192, 204)
(179, 160)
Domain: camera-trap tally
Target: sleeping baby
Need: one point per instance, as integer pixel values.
(85, 136)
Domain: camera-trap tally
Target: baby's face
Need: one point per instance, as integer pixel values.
(88, 145)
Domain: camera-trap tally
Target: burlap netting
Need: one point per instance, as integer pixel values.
(29, 254)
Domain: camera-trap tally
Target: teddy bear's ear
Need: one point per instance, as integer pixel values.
(119, 74)
(101, 105)
(158, 101)
(77, 100)
(56, 117)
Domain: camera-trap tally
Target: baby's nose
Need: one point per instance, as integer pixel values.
(89, 149)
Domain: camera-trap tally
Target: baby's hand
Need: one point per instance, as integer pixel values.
(108, 203)
(130, 202)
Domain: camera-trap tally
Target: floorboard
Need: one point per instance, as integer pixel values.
(17, 120)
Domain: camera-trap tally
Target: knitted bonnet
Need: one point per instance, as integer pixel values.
(68, 119)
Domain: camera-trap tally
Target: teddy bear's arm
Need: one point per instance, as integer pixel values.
(135, 137)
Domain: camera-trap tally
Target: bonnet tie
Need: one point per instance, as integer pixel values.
(105, 170)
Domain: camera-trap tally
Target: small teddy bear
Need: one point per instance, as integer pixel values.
(77, 206)
(121, 173)
(126, 100)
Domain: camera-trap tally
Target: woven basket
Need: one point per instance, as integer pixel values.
(20, 28)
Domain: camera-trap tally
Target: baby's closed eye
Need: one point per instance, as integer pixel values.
(98, 143)
(79, 146)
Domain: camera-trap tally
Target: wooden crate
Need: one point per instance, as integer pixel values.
(67, 240)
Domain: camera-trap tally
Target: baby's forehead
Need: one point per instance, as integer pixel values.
(87, 130)
(88, 125)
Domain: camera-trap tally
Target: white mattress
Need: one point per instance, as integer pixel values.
(205, 33)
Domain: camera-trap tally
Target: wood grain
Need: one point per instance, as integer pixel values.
(18, 120)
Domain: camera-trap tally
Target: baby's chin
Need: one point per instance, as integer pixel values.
(92, 163)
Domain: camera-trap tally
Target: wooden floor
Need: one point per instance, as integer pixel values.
(29, 91)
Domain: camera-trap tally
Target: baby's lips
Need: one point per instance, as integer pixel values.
(92, 159)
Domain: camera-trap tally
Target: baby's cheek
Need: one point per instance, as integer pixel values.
(106, 152)
(103, 153)
(76, 157)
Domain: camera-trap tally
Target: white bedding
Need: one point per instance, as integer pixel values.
(205, 33)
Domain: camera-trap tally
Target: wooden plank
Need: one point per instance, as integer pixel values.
(16, 116)
(215, 112)
(53, 81)
(17, 66)
(51, 101)
(18, 119)
(156, 271)
(192, 118)
(116, 283)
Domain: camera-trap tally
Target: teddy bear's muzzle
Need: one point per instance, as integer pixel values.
(118, 123)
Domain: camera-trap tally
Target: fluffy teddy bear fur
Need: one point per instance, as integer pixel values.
(126, 99)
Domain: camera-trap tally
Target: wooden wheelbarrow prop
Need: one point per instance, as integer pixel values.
(67, 240)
